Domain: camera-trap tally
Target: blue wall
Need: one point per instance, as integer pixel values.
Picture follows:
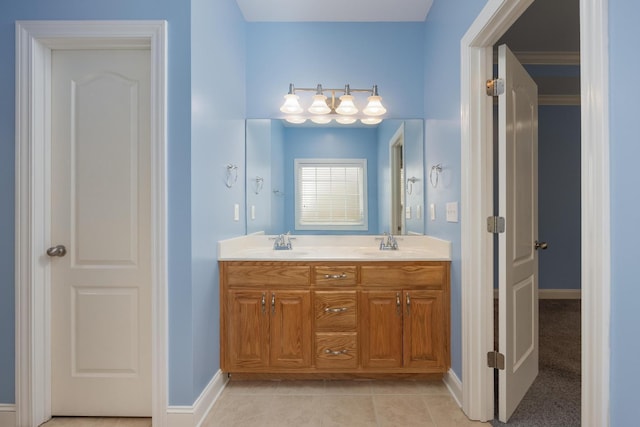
(334, 54)
(331, 143)
(218, 65)
(559, 196)
(446, 23)
(624, 34)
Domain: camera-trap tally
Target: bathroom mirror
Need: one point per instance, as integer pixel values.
(394, 153)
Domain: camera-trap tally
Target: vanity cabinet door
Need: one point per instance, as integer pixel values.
(290, 328)
(381, 329)
(247, 330)
(425, 340)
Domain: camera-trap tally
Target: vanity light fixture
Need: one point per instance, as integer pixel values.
(343, 108)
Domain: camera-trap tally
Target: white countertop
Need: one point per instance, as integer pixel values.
(259, 247)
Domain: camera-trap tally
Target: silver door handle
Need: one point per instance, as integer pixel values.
(59, 250)
(541, 245)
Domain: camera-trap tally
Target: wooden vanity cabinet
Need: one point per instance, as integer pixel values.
(264, 326)
(310, 318)
(407, 326)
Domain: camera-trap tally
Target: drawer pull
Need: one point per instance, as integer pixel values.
(264, 303)
(335, 310)
(336, 352)
(336, 276)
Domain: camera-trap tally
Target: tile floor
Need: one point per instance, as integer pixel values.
(336, 403)
(319, 404)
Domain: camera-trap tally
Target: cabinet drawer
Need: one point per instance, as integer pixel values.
(335, 275)
(267, 274)
(337, 350)
(335, 311)
(402, 275)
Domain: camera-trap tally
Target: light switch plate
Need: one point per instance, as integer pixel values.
(253, 212)
(407, 212)
(432, 211)
(452, 212)
(418, 211)
(236, 212)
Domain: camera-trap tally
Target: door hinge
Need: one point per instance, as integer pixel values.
(495, 224)
(495, 360)
(495, 87)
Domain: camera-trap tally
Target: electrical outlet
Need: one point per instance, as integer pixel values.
(432, 211)
(236, 212)
(407, 212)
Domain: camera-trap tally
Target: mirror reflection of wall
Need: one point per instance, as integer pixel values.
(272, 148)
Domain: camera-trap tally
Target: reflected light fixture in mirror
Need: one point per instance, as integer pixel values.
(297, 120)
(323, 109)
(321, 120)
(371, 120)
(346, 120)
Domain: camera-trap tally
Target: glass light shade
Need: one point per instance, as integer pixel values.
(346, 107)
(374, 107)
(295, 119)
(319, 105)
(371, 120)
(345, 120)
(321, 120)
(291, 104)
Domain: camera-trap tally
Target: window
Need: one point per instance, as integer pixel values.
(331, 194)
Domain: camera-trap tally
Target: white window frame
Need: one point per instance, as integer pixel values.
(360, 163)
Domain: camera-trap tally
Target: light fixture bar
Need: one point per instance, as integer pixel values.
(343, 105)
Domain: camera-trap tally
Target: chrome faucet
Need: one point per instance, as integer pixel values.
(283, 242)
(388, 242)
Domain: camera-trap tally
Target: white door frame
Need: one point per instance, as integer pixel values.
(34, 42)
(477, 204)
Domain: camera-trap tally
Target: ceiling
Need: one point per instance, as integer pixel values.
(546, 26)
(334, 10)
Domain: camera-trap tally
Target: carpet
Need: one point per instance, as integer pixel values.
(554, 398)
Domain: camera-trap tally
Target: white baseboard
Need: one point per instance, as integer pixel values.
(454, 385)
(7, 415)
(554, 293)
(194, 415)
(559, 294)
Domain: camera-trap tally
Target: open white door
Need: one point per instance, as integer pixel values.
(518, 204)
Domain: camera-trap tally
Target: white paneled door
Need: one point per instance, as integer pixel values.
(518, 204)
(100, 204)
